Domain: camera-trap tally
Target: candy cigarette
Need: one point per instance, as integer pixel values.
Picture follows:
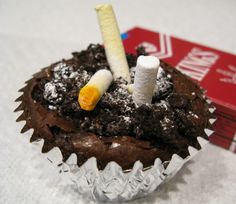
(112, 42)
(91, 93)
(130, 88)
(145, 79)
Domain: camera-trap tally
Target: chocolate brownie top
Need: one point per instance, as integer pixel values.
(116, 130)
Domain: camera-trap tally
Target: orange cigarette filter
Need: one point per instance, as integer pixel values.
(89, 97)
(92, 92)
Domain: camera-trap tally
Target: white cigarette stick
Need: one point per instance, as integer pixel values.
(145, 79)
(91, 93)
(112, 42)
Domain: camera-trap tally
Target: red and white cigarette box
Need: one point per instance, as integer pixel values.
(213, 69)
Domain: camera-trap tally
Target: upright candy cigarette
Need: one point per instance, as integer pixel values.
(91, 93)
(145, 79)
(112, 42)
(130, 88)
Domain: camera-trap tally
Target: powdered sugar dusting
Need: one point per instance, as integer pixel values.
(53, 91)
(64, 71)
(193, 114)
(120, 96)
(163, 83)
(116, 113)
(163, 104)
(167, 123)
(127, 119)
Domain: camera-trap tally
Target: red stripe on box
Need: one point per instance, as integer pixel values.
(226, 121)
(225, 131)
(223, 142)
(220, 141)
(225, 112)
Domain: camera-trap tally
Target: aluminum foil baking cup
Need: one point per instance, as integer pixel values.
(113, 184)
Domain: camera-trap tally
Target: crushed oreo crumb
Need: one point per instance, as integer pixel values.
(169, 115)
(54, 92)
(163, 86)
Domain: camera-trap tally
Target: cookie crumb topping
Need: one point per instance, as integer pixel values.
(116, 114)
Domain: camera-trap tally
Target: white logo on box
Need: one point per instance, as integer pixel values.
(230, 75)
(197, 63)
(165, 50)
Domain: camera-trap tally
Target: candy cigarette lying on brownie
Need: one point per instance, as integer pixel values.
(91, 93)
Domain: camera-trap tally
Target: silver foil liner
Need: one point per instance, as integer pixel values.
(113, 184)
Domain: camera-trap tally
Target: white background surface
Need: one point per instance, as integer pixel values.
(34, 34)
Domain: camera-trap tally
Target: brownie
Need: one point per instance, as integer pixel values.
(116, 130)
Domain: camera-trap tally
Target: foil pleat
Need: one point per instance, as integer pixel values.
(209, 132)
(212, 120)
(113, 184)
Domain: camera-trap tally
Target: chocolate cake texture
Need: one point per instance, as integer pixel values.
(116, 130)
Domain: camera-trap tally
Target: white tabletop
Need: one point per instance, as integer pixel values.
(34, 34)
